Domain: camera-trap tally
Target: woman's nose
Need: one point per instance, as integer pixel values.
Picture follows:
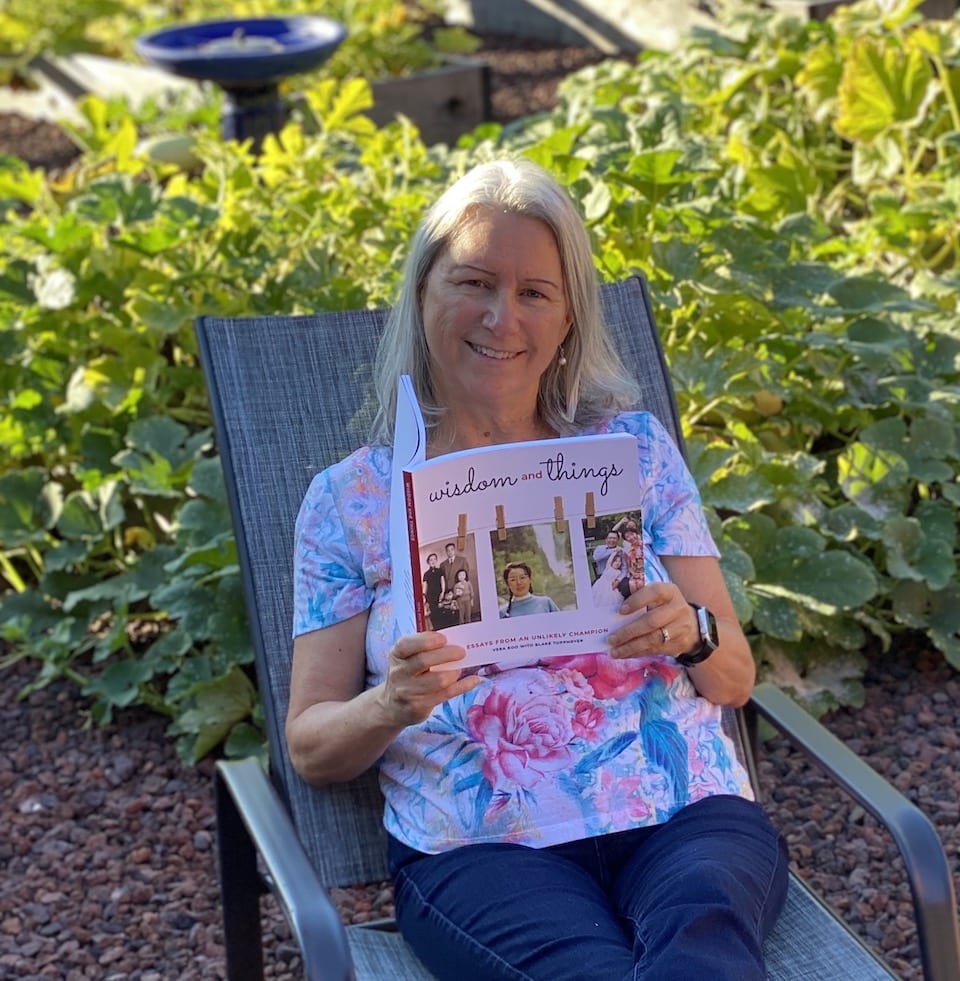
(501, 311)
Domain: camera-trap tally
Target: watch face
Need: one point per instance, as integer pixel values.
(709, 638)
(703, 624)
(708, 628)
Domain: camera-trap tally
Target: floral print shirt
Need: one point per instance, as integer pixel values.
(544, 752)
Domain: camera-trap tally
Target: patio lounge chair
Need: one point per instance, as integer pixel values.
(291, 395)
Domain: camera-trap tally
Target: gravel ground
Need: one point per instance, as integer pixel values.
(108, 845)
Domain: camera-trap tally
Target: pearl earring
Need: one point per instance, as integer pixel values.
(562, 360)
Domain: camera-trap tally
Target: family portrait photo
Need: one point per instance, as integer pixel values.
(448, 578)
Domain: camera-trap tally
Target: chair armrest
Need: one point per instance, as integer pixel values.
(928, 870)
(312, 917)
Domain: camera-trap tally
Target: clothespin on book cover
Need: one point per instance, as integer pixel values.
(590, 509)
(501, 525)
(462, 533)
(558, 513)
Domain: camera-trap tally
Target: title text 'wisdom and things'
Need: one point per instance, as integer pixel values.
(554, 468)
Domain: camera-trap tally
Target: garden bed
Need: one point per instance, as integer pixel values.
(523, 80)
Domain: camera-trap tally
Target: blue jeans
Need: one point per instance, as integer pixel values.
(688, 899)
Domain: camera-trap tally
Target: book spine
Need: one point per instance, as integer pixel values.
(412, 537)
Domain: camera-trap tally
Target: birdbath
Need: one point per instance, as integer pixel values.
(247, 58)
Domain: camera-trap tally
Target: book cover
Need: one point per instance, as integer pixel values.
(518, 551)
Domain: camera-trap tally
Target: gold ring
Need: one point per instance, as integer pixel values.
(665, 634)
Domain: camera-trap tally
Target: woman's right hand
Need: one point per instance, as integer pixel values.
(423, 671)
(336, 727)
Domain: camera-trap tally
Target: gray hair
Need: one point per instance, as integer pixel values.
(593, 384)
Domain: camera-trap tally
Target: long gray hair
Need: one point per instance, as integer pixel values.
(591, 386)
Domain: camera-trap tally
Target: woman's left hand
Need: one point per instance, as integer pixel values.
(668, 625)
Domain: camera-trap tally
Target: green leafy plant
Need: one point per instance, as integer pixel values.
(117, 550)
(805, 273)
(791, 190)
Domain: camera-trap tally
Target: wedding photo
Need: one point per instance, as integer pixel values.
(615, 550)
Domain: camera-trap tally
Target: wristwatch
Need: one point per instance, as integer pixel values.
(709, 640)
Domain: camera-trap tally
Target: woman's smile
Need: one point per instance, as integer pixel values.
(489, 352)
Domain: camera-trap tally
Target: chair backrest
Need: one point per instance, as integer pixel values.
(289, 397)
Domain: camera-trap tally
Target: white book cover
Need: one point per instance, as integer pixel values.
(518, 551)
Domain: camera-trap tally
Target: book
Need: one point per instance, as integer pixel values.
(518, 551)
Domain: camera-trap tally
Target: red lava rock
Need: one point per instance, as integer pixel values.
(126, 886)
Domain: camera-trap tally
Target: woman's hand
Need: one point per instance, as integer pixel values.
(668, 625)
(423, 672)
(336, 727)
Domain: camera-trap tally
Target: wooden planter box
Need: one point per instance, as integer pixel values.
(444, 102)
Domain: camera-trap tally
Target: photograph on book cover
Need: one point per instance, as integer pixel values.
(449, 577)
(535, 571)
(615, 545)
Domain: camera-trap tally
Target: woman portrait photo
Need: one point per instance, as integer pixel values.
(545, 552)
(523, 602)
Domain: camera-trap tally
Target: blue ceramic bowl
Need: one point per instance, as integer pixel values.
(251, 51)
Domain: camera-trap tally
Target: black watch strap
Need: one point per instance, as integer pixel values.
(709, 638)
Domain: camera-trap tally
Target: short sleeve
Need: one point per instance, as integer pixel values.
(338, 539)
(671, 504)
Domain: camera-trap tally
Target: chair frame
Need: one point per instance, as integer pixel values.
(272, 833)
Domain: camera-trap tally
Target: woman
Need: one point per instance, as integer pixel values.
(580, 817)
(432, 586)
(523, 602)
(606, 589)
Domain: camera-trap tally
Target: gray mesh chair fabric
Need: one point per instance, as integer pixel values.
(289, 396)
(296, 392)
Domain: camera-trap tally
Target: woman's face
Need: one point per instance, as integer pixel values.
(518, 582)
(494, 312)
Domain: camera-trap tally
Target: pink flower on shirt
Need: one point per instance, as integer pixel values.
(622, 799)
(610, 678)
(525, 732)
(587, 718)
